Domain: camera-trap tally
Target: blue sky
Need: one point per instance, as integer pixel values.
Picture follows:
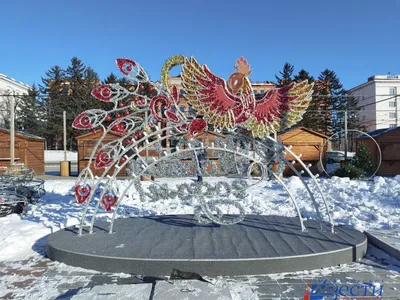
(355, 38)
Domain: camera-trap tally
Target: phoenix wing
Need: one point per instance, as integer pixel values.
(280, 109)
(209, 96)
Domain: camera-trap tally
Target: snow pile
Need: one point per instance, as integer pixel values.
(55, 156)
(18, 237)
(361, 204)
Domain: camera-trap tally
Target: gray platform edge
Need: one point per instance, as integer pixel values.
(149, 267)
(382, 245)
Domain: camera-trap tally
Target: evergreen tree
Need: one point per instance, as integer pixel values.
(363, 159)
(310, 115)
(91, 81)
(286, 75)
(75, 74)
(81, 81)
(333, 103)
(76, 71)
(111, 79)
(54, 91)
(303, 75)
(29, 114)
(125, 83)
(360, 166)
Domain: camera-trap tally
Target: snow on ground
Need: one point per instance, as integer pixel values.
(55, 156)
(361, 204)
(364, 205)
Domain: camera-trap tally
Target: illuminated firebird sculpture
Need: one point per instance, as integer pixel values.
(227, 106)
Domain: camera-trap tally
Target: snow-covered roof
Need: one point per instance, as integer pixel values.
(376, 133)
(305, 129)
(23, 134)
(20, 83)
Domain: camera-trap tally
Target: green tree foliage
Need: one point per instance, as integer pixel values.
(54, 91)
(363, 159)
(303, 75)
(285, 75)
(110, 79)
(361, 165)
(70, 90)
(29, 115)
(349, 170)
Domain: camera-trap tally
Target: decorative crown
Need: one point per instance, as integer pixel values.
(242, 66)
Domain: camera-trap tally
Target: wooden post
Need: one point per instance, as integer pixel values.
(345, 136)
(65, 134)
(12, 130)
(65, 166)
(147, 148)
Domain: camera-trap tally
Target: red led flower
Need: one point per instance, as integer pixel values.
(82, 121)
(125, 65)
(110, 93)
(82, 193)
(102, 160)
(89, 119)
(108, 201)
(165, 104)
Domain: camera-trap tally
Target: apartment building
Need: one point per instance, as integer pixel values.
(9, 87)
(379, 100)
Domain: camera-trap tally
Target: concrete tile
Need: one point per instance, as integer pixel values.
(101, 280)
(7, 296)
(193, 290)
(55, 272)
(263, 279)
(269, 291)
(362, 276)
(389, 277)
(116, 292)
(293, 290)
(391, 290)
(23, 283)
(291, 281)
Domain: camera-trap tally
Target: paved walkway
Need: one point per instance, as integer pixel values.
(40, 278)
(388, 240)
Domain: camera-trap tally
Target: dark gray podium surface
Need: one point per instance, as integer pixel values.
(153, 246)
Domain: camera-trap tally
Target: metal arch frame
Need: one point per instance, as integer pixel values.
(119, 150)
(358, 131)
(111, 179)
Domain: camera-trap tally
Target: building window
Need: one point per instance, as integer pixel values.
(363, 118)
(392, 115)
(255, 92)
(173, 108)
(262, 92)
(392, 104)
(182, 109)
(181, 91)
(392, 125)
(392, 91)
(363, 108)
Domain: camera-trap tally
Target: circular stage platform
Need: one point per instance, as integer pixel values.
(153, 246)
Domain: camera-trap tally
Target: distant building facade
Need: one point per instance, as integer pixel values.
(379, 99)
(9, 87)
